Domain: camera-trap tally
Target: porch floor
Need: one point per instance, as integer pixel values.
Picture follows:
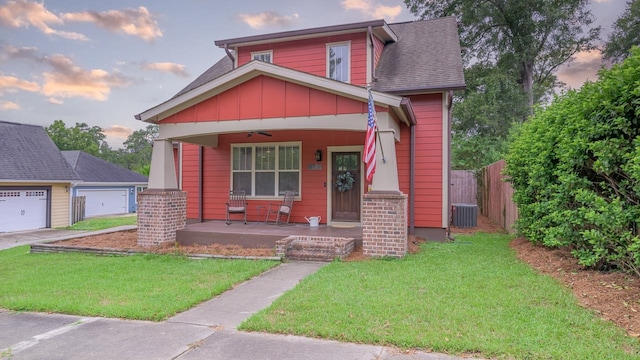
(257, 234)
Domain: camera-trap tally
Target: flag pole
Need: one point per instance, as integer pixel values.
(384, 159)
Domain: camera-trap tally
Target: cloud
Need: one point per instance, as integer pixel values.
(583, 67)
(268, 18)
(22, 13)
(118, 131)
(9, 105)
(176, 69)
(12, 83)
(69, 80)
(66, 79)
(136, 22)
(55, 101)
(369, 8)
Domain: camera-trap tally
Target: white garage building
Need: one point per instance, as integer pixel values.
(35, 179)
(109, 188)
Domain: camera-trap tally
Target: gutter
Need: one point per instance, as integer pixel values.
(449, 113)
(200, 182)
(229, 54)
(405, 104)
(373, 54)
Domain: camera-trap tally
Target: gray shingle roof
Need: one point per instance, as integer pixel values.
(426, 56)
(93, 169)
(218, 69)
(27, 153)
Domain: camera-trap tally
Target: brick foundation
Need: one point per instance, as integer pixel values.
(160, 214)
(384, 224)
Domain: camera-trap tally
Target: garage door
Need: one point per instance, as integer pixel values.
(105, 202)
(23, 210)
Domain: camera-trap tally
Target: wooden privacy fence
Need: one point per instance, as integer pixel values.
(464, 188)
(496, 196)
(77, 208)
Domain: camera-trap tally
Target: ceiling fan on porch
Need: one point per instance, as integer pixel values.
(250, 134)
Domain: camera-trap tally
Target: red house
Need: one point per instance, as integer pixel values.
(289, 110)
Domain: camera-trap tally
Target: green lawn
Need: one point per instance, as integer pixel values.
(150, 287)
(100, 223)
(468, 297)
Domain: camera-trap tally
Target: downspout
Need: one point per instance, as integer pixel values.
(449, 114)
(408, 109)
(229, 54)
(200, 182)
(373, 54)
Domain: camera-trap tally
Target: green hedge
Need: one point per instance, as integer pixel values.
(575, 168)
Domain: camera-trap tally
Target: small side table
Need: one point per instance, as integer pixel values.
(259, 210)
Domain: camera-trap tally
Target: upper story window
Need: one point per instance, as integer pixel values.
(266, 56)
(338, 55)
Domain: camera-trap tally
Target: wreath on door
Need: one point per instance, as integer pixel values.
(345, 181)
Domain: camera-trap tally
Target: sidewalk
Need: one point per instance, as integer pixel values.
(207, 331)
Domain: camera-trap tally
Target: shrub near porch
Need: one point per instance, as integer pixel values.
(469, 296)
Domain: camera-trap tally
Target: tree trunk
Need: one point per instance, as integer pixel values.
(526, 75)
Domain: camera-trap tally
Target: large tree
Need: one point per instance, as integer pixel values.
(483, 114)
(626, 33)
(138, 148)
(79, 137)
(535, 36)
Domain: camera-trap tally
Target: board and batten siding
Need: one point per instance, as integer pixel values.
(310, 55)
(264, 97)
(217, 178)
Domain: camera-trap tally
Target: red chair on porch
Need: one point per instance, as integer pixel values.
(237, 205)
(281, 210)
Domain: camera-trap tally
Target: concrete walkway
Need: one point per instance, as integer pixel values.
(207, 331)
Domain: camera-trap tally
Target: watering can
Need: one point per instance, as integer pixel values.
(313, 220)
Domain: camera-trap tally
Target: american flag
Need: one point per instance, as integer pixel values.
(370, 140)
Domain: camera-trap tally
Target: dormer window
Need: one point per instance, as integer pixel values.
(266, 56)
(338, 67)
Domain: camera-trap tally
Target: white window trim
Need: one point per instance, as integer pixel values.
(270, 52)
(253, 170)
(329, 45)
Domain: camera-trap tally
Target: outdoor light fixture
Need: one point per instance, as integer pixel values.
(318, 155)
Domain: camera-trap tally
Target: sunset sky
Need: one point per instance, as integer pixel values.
(102, 62)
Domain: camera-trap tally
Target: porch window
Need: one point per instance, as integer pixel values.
(266, 56)
(338, 55)
(266, 170)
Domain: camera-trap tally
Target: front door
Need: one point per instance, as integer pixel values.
(345, 179)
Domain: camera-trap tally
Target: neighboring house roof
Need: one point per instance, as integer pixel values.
(27, 153)
(426, 57)
(95, 170)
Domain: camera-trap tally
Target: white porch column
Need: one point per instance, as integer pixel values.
(386, 176)
(162, 174)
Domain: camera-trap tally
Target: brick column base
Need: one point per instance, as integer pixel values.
(160, 214)
(384, 224)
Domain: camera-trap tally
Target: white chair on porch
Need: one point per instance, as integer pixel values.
(237, 204)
